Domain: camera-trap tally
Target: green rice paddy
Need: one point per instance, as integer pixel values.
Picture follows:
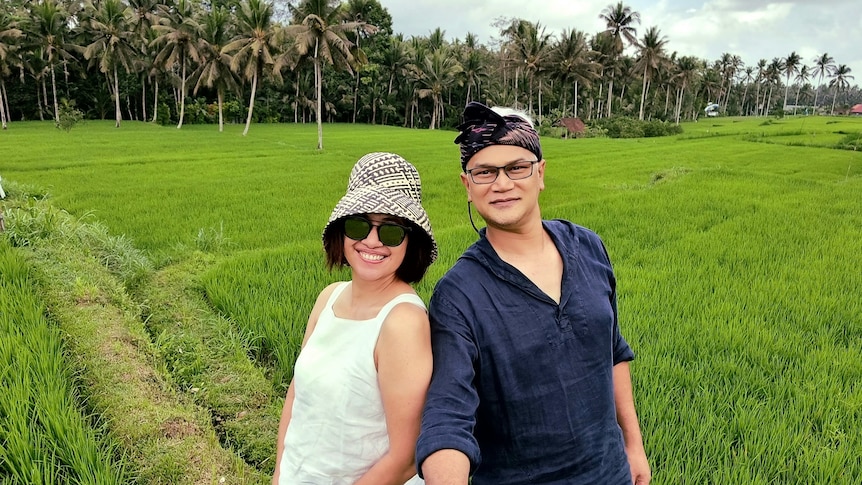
(737, 247)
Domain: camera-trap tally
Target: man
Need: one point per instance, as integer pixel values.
(531, 379)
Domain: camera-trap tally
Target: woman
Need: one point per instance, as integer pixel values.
(352, 411)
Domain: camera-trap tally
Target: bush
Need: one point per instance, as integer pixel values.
(626, 127)
(621, 127)
(851, 141)
(164, 115)
(660, 128)
(69, 115)
(594, 131)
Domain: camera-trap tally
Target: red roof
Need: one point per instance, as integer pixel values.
(856, 109)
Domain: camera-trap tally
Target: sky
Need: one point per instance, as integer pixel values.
(751, 29)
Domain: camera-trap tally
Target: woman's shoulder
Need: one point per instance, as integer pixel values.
(408, 313)
(405, 328)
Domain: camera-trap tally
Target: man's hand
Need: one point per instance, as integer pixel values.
(639, 466)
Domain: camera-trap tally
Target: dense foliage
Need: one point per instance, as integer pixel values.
(203, 61)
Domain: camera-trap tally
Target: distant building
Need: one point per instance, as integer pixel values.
(856, 110)
(574, 126)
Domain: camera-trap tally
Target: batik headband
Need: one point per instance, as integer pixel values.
(482, 127)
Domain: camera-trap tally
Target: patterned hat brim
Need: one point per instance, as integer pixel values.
(381, 200)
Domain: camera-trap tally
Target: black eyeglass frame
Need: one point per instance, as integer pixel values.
(504, 168)
(382, 233)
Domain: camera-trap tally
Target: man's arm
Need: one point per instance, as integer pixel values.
(628, 420)
(446, 467)
(449, 415)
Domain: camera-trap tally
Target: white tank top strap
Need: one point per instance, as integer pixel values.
(335, 294)
(402, 298)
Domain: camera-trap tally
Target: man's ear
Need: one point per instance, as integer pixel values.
(465, 179)
(541, 170)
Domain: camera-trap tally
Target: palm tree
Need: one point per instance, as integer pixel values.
(254, 47)
(687, 72)
(395, 59)
(48, 26)
(791, 67)
(773, 78)
(474, 65)
(747, 78)
(802, 78)
(823, 65)
(840, 81)
(112, 45)
(530, 47)
(761, 74)
(178, 32)
(214, 70)
(602, 46)
(652, 56)
(321, 36)
(9, 34)
(144, 16)
(417, 51)
(358, 11)
(572, 63)
(438, 72)
(730, 65)
(723, 65)
(619, 20)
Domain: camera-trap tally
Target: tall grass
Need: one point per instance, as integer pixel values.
(45, 437)
(737, 261)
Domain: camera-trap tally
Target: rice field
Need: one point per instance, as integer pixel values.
(737, 247)
(45, 436)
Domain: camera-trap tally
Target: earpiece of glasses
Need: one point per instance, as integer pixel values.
(389, 233)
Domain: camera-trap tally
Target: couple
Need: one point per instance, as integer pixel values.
(521, 374)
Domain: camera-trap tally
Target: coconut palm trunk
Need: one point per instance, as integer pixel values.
(2, 107)
(643, 93)
(220, 111)
(6, 101)
(318, 81)
(183, 95)
(250, 104)
(54, 90)
(144, 99)
(156, 101)
(575, 100)
(118, 113)
(610, 96)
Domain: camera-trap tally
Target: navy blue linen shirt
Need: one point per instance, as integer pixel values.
(522, 385)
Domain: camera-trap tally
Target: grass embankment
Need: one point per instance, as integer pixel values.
(45, 435)
(736, 263)
(83, 275)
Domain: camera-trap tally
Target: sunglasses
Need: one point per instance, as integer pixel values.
(389, 233)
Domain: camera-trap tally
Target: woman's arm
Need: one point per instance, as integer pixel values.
(287, 409)
(404, 364)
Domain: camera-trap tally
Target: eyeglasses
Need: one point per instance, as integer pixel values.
(515, 171)
(389, 233)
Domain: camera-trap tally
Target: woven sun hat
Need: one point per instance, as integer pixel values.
(384, 183)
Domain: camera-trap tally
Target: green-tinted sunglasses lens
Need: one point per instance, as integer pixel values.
(356, 229)
(390, 234)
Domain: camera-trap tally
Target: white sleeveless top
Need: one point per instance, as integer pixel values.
(337, 428)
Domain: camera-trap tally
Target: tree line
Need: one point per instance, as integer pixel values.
(182, 61)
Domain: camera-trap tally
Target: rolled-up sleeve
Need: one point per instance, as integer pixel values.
(449, 416)
(622, 351)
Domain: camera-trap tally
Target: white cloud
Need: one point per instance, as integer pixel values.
(752, 29)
